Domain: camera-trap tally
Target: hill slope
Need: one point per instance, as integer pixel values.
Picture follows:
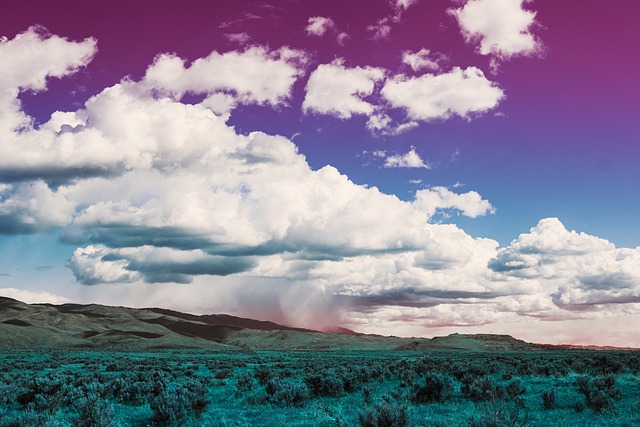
(120, 328)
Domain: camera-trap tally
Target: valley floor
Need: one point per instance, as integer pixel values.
(304, 388)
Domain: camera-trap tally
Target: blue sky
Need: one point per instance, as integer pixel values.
(415, 168)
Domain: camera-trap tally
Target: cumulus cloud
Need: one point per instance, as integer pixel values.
(152, 190)
(470, 204)
(161, 191)
(33, 207)
(336, 90)
(318, 26)
(579, 271)
(501, 27)
(440, 96)
(99, 264)
(255, 75)
(410, 159)
(28, 60)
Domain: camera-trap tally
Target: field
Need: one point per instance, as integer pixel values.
(311, 388)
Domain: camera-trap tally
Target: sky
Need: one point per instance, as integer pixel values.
(408, 167)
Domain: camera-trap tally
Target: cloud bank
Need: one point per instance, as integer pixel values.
(165, 200)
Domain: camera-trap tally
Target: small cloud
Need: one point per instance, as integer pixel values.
(402, 5)
(43, 267)
(415, 181)
(455, 154)
(319, 26)
(501, 28)
(470, 204)
(239, 38)
(441, 96)
(342, 38)
(409, 160)
(422, 60)
(336, 90)
(382, 124)
(5, 275)
(241, 20)
(380, 30)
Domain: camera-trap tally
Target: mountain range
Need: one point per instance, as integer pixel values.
(93, 326)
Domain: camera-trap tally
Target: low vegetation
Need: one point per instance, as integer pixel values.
(358, 388)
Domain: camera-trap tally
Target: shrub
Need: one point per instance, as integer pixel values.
(599, 393)
(324, 384)
(516, 392)
(263, 374)
(483, 389)
(284, 393)
(244, 382)
(549, 399)
(94, 412)
(499, 406)
(435, 387)
(169, 406)
(174, 403)
(386, 413)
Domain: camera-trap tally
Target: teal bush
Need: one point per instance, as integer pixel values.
(549, 398)
(386, 413)
(327, 384)
(482, 389)
(94, 412)
(599, 393)
(285, 393)
(434, 387)
(173, 403)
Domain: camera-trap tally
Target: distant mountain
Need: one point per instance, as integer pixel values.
(96, 326)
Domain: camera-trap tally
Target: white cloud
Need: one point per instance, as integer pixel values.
(470, 204)
(579, 271)
(403, 4)
(33, 297)
(440, 96)
(336, 90)
(421, 60)
(33, 207)
(320, 25)
(240, 38)
(153, 190)
(411, 159)
(380, 123)
(90, 267)
(28, 60)
(502, 27)
(380, 30)
(342, 38)
(255, 75)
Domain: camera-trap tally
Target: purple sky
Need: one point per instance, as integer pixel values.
(412, 167)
